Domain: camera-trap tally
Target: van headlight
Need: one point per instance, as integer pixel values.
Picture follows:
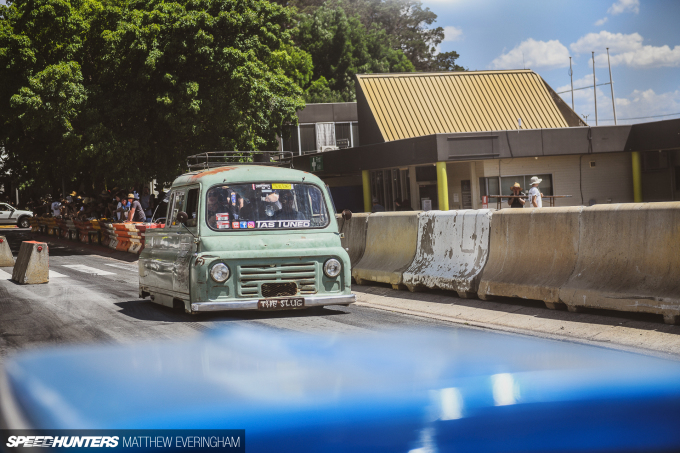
(332, 268)
(220, 272)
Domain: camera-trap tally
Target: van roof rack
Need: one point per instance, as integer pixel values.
(214, 159)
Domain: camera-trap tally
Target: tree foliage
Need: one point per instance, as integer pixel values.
(120, 91)
(348, 37)
(124, 90)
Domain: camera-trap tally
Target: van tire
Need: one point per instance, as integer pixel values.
(23, 222)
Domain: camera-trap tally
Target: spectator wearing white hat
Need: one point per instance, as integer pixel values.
(535, 195)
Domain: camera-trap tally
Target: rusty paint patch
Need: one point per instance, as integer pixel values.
(214, 171)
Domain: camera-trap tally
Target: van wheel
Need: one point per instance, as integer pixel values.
(23, 222)
(178, 305)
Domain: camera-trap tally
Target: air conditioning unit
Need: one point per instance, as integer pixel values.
(328, 148)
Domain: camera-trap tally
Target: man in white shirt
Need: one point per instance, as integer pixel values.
(535, 196)
(55, 208)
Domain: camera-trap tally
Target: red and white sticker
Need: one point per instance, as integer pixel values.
(222, 217)
(222, 225)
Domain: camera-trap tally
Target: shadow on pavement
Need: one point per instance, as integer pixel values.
(642, 321)
(149, 311)
(63, 247)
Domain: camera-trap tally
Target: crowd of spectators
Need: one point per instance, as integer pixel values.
(116, 205)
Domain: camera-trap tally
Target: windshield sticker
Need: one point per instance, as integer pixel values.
(281, 186)
(267, 187)
(235, 225)
(283, 224)
(222, 225)
(251, 224)
(222, 217)
(244, 224)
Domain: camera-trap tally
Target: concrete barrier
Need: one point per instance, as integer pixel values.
(354, 231)
(33, 264)
(629, 260)
(6, 258)
(532, 253)
(390, 247)
(452, 250)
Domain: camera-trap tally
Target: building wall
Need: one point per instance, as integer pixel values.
(610, 181)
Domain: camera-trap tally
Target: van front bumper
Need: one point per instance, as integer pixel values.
(251, 304)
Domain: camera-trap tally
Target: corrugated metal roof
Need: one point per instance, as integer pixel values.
(416, 104)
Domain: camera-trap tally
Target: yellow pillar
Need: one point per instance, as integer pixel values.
(366, 178)
(637, 178)
(442, 186)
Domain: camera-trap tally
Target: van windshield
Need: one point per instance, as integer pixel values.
(266, 206)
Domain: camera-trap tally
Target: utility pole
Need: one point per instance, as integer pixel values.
(611, 84)
(571, 76)
(594, 89)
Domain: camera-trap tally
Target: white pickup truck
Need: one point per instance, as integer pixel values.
(12, 216)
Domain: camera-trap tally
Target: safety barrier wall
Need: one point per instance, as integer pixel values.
(532, 253)
(628, 260)
(452, 250)
(33, 264)
(390, 247)
(354, 240)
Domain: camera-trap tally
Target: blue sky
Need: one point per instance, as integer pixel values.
(643, 37)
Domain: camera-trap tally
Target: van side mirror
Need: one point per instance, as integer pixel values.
(182, 217)
(346, 214)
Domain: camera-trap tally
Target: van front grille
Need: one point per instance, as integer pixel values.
(279, 289)
(252, 278)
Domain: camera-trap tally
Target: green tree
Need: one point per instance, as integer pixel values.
(340, 47)
(125, 90)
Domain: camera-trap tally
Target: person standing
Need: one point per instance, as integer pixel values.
(136, 213)
(147, 202)
(56, 205)
(122, 208)
(516, 192)
(377, 207)
(535, 195)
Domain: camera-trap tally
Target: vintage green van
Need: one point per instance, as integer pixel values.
(246, 237)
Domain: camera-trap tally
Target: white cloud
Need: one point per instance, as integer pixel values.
(534, 54)
(452, 33)
(626, 50)
(622, 6)
(642, 105)
(601, 21)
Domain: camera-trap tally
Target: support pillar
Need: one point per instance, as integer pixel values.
(442, 186)
(366, 180)
(637, 178)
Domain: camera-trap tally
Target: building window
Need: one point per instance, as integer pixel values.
(313, 136)
(290, 139)
(426, 173)
(502, 186)
(390, 187)
(307, 138)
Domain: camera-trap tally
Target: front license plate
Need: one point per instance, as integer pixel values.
(281, 304)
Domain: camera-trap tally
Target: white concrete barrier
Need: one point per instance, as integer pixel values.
(390, 247)
(354, 232)
(628, 260)
(452, 249)
(6, 259)
(33, 264)
(532, 253)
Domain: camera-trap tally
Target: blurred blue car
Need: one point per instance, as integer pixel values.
(400, 391)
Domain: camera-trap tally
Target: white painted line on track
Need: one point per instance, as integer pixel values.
(122, 266)
(7, 276)
(87, 269)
